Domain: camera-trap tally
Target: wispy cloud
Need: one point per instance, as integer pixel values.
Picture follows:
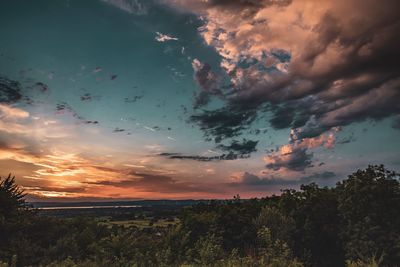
(135, 7)
(164, 37)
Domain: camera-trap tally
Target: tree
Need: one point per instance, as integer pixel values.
(369, 205)
(316, 238)
(209, 250)
(280, 225)
(11, 196)
(274, 252)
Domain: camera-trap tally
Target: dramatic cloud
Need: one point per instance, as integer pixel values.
(8, 112)
(293, 158)
(10, 91)
(245, 6)
(244, 147)
(34, 142)
(224, 123)
(277, 88)
(295, 155)
(326, 140)
(146, 182)
(208, 83)
(14, 133)
(249, 179)
(318, 65)
(229, 156)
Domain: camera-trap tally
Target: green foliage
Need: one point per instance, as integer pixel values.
(316, 238)
(209, 250)
(280, 225)
(369, 208)
(11, 196)
(372, 262)
(354, 224)
(68, 262)
(12, 264)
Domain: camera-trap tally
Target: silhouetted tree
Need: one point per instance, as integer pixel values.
(11, 196)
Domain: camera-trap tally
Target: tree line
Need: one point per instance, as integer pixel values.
(354, 224)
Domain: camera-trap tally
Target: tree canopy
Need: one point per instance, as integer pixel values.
(353, 224)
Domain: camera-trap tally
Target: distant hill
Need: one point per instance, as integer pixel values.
(141, 203)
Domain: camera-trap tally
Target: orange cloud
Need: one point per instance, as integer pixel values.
(9, 112)
(326, 140)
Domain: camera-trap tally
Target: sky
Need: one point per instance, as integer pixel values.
(191, 99)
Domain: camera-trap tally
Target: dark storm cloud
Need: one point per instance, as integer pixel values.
(157, 183)
(201, 99)
(292, 114)
(227, 156)
(366, 85)
(223, 123)
(10, 91)
(239, 6)
(282, 117)
(207, 81)
(249, 3)
(298, 159)
(317, 68)
(205, 77)
(243, 147)
(249, 179)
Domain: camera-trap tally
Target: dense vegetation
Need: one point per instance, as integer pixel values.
(357, 223)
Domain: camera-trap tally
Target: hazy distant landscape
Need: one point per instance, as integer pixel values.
(113, 204)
